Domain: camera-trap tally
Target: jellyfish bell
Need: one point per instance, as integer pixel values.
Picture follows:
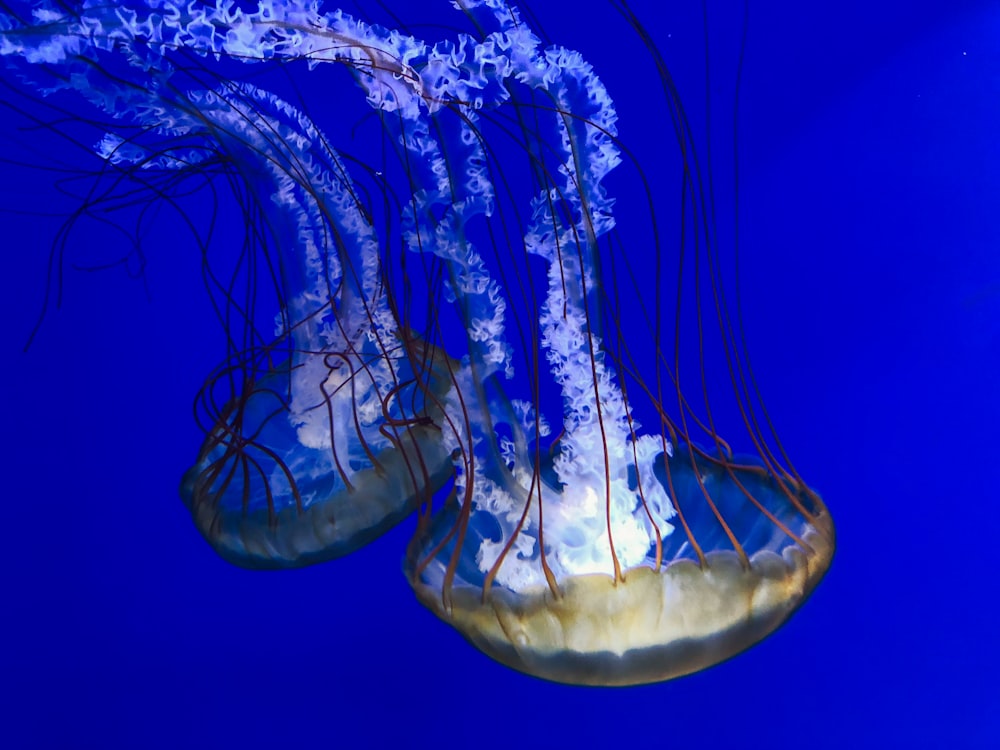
(587, 609)
(281, 485)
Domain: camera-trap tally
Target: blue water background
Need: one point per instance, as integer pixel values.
(870, 202)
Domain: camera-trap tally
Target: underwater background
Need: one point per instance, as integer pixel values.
(869, 200)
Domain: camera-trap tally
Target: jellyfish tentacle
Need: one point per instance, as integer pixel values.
(582, 123)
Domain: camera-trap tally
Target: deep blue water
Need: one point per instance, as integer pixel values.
(870, 197)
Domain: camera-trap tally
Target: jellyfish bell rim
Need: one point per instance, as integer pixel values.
(650, 626)
(333, 527)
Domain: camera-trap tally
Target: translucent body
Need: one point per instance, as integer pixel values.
(575, 544)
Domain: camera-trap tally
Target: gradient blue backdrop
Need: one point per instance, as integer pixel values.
(870, 197)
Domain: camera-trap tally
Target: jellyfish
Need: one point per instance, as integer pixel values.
(320, 440)
(484, 359)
